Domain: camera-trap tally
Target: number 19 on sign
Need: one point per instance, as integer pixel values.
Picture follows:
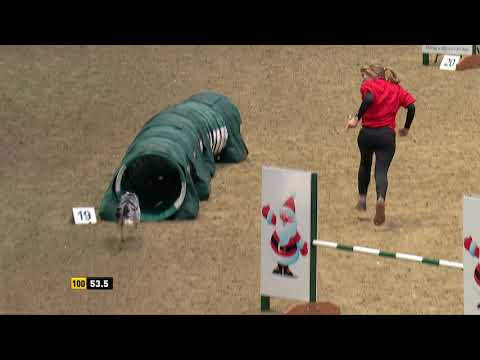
(84, 215)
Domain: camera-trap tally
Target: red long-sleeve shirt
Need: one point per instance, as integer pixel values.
(388, 98)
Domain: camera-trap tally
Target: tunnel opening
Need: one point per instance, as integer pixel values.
(159, 183)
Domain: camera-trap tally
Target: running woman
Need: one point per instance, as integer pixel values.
(382, 97)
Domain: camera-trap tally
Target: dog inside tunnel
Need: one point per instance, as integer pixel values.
(156, 181)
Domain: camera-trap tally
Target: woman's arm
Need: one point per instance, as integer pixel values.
(367, 101)
(408, 121)
(410, 115)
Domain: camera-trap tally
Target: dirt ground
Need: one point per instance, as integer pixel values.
(69, 113)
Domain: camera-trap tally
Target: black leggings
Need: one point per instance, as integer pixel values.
(380, 141)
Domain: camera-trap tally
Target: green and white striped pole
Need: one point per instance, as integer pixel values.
(395, 255)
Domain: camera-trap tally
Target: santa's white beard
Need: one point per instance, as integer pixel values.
(286, 232)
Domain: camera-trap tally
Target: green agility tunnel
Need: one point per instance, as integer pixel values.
(171, 161)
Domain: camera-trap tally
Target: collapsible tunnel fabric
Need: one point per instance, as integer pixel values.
(170, 163)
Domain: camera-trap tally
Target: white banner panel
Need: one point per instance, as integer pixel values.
(448, 49)
(471, 261)
(285, 233)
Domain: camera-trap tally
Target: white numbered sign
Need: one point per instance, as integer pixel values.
(84, 215)
(449, 62)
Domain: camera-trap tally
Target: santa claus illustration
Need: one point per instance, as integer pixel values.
(474, 250)
(286, 242)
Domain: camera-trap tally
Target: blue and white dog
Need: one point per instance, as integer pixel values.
(128, 211)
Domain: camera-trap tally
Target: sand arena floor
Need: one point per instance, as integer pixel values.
(69, 113)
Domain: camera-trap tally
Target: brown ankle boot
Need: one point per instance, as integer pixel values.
(361, 206)
(362, 203)
(379, 218)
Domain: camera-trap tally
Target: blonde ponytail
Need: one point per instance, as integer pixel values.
(378, 70)
(391, 76)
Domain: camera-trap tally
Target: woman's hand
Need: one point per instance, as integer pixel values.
(352, 123)
(403, 132)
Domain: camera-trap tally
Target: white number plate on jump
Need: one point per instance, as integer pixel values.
(449, 62)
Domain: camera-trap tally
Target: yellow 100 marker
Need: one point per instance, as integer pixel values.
(78, 283)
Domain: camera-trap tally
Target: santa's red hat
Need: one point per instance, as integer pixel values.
(289, 206)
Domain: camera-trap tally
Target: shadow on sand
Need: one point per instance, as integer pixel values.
(131, 243)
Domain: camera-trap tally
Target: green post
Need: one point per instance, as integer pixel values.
(264, 303)
(313, 236)
(426, 59)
